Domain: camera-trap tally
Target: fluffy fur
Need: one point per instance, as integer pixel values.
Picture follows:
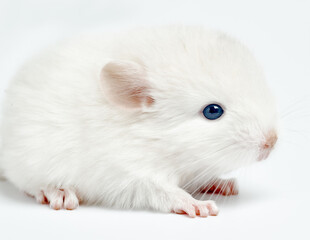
(117, 118)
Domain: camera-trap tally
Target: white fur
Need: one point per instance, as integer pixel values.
(61, 131)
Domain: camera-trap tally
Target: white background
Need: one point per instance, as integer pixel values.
(274, 195)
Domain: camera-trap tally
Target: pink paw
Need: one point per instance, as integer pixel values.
(224, 187)
(193, 208)
(58, 198)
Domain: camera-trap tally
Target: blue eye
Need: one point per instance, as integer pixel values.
(213, 111)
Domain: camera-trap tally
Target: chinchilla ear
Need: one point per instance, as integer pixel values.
(125, 84)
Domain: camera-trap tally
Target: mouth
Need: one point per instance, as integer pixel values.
(264, 153)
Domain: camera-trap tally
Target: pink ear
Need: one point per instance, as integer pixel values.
(124, 83)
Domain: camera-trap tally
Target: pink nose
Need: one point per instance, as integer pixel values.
(270, 141)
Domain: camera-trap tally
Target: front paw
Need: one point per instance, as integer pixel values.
(193, 207)
(224, 187)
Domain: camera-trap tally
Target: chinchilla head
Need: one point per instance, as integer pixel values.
(200, 95)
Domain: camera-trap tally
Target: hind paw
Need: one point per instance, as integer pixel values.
(58, 198)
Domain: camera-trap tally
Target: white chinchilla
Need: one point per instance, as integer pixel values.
(139, 120)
